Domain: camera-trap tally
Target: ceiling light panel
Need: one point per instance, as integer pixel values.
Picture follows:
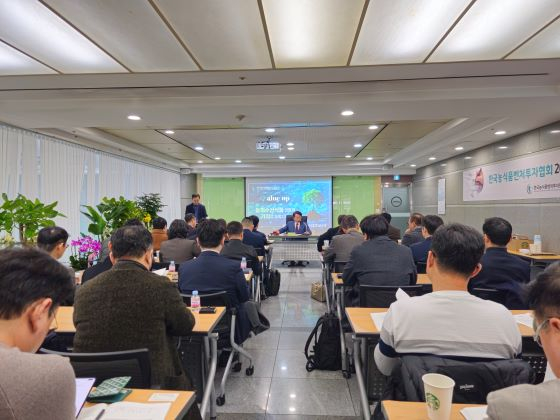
(403, 31)
(221, 34)
(492, 28)
(31, 27)
(312, 33)
(14, 62)
(130, 30)
(545, 45)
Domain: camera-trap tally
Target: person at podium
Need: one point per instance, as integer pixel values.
(297, 226)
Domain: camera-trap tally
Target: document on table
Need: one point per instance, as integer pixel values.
(401, 294)
(378, 318)
(474, 413)
(524, 319)
(126, 411)
(161, 272)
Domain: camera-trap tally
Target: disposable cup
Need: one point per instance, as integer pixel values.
(438, 390)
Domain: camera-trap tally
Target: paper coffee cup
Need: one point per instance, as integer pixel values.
(438, 390)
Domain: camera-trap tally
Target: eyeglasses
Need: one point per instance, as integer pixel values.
(538, 329)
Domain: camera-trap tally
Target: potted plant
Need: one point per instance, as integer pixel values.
(117, 211)
(84, 252)
(98, 225)
(151, 204)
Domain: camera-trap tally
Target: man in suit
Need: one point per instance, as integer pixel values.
(97, 269)
(393, 233)
(190, 220)
(255, 230)
(255, 239)
(536, 402)
(414, 232)
(196, 208)
(178, 248)
(159, 232)
(53, 241)
(500, 270)
(212, 272)
(236, 249)
(342, 245)
(128, 307)
(379, 260)
(295, 226)
(420, 249)
(330, 233)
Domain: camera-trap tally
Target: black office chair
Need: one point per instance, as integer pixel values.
(289, 218)
(383, 296)
(226, 328)
(101, 366)
(498, 296)
(338, 266)
(421, 267)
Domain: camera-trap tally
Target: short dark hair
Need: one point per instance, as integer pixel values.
(195, 195)
(189, 217)
(255, 220)
(387, 217)
(234, 228)
(374, 225)
(297, 212)
(49, 237)
(349, 222)
(210, 233)
(498, 230)
(178, 229)
(159, 223)
(340, 218)
(133, 222)
(28, 274)
(457, 248)
(544, 292)
(416, 218)
(431, 222)
(131, 241)
(222, 223)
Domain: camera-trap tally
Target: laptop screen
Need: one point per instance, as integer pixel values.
(83, 386)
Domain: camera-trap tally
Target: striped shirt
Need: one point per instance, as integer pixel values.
(447, 323)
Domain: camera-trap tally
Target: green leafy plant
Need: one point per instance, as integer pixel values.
(150, 204)
(98, 225)
(117, 211)
(27, 216)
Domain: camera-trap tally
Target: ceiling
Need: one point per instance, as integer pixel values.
(218, 73)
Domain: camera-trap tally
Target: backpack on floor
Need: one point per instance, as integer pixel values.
(273, 284)
(326, 353)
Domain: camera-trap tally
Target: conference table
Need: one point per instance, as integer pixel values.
(294, 247)
(547, 258)
(204, 325)
(406, 410)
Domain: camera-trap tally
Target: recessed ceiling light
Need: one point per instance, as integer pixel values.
(169, 132)
(347, 112)
(198, 161)
(134, 117)
(291, 148)
(282, 157)
(270, 130)
(369, 158)
(468, 157)
(444, 164)
(357, 145)
(555, 132)
(237, 161)
(217, 158)
(459, 148)
(499, 132)
(413, 165)
(348, 156)
(289, 144)
(502, 147)
(199, 148)
(373, 127)
(432, 158)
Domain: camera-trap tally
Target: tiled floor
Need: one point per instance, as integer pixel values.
(281, 388)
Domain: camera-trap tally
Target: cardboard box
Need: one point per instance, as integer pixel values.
(518, 242)
(318, 292)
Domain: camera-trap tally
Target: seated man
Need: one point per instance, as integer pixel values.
(394, 233)
(212, 272)
(450, 321)
(414, 232)
(53, 240)
(295, 226)
(178, 248)
(255, 239)
(500, 270)
(378, 261)
(255, 229)
(236, 249)
(159, 232)
(536, 402)
(342, 245)
(32, 386)
(128, 307)
(190, 219)
(330, 233)
(420, 249)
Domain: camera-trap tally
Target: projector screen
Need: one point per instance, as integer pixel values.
(273, 198)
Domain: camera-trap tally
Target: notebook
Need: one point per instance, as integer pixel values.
(83, 386)
(126, 411)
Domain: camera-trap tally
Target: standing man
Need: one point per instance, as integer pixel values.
(196, 208)
(295, 226)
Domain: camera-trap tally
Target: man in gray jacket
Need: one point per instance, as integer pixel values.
(536, 402)
(341, 246)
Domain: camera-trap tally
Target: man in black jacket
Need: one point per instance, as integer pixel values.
(196, 208)
(329, 234)
(236, 249)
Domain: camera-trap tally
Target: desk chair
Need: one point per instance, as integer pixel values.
(101, 366)
(257, 267)
(226, 328)
(289, 218)
(494, 295)
(421, 267)
(383, 296)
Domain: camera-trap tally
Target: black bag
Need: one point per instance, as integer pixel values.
(326, 345)
(273, 284)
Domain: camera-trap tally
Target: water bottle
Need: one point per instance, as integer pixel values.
(243, 263)
(171, 267)
(538, 243)
(195, 301)
(156, 258)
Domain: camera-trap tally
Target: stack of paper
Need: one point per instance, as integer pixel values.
(474, 413)
(524, 319)
(126, 411)
(378, 318)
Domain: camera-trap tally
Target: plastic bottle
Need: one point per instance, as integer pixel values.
(195, 301)
(156, 258)
(538, 243)
(171, 267)
(243, 263)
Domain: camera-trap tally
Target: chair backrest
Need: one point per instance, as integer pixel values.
(338, 266)
(289, 218)
(101, 366)
(383, 296)
(498, 296)
(421, 267)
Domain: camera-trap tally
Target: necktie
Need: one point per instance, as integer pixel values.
(297, 226)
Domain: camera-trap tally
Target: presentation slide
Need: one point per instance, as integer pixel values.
(273, 198)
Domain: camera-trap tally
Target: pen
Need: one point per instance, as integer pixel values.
(100, 414)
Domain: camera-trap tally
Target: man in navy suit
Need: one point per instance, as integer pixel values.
(256, 240)
(420, 249)
(212, 272)
(500, 270)
(196, 208)
(295, 226)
